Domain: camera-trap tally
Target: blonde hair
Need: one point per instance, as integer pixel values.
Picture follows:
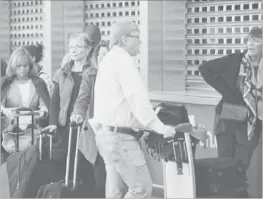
(20, 57)
(81, 35)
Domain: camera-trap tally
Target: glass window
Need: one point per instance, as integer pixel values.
(204, 41)
(238, 41)
(246, 18)
(108, 5)
(213, 51)
(133, 13)
(255, 6)
(196, 62)
(197, 41)
(126, 13)
(196, 20)
(189, 62)
(220, 8)
(120, 4)
(229, 30)
(197, 9)
(133, 3)
(212, 19)
(189, 31)
(220, 19)
(196, 31)
(212, 30)
(237, 7)
(255, 17)
(114, 5)
(246, 6)
(196, 52)
(228, 51)
(220, 41)
(204, 51)
(237, 30)
(189, 20)
(189, 10)
(204, 20)
(189, 52)
(120, 13)
(229, 41)
(220, 30)
(229, 7)
(204, 30)
(237, 18)
(229, 19)
(212, 8)
(204, 9)
(189, 41)
(245, 29)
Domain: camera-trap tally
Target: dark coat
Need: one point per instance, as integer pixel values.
(222, 74)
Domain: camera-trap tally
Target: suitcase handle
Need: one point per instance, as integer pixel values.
(50, 135)
(17, 128)
(72, 125)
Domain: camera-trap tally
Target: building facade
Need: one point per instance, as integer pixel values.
(177, 36)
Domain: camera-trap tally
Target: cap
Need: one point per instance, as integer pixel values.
(94, 33)
(120, 29)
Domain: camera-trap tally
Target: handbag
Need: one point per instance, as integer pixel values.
(234, 112)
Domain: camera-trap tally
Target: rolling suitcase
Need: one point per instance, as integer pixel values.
(64, 188)
(217, 176)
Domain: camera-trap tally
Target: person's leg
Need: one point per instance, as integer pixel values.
(133, 169)
(226, 144)
(100, 176)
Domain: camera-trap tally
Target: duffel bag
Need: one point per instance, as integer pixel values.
(218, 175)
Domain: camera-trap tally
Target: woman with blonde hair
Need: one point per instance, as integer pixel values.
(21, 87)
(67, 80)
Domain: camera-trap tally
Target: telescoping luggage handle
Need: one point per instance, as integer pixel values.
(50, 136)
(24, 111)
(72, 125)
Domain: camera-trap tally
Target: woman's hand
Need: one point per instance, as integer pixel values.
(50, 128)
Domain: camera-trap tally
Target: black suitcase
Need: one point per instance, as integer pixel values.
(216, 176)
(66, 188)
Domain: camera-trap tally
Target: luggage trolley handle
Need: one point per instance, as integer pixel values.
(72, 125)
(19, 111)
(50, 135)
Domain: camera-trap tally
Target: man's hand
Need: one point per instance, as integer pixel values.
(50, 128)
(169, 132)
(199, 132)
(40, 113)
(76, 118)
(9, 112)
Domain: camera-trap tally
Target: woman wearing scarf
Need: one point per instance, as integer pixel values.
(238, 78)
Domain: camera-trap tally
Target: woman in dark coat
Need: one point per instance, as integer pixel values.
(238, 78)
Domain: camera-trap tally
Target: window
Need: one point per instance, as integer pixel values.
(108, 5)
(196, 20)
(204, 51)
(120, 4)
(196, 31)
(246, 6)
(204, 41)
(221, 41)
(228, 51)
(213, 51)
(229, 41)
(197, 9)
(133, 3)
(126, 4)
(204, 20)
(197, 41)
(196, 52)
(220, 30)
(246, 18)
(229, 7)
(220, 19)
(255, 17)
(212, 8)
(237, 18)
(220, 52)
(126, 13)
(255, 6)
(237, 7)
(204, 30)
(237, 30)
(133, 13)
(229, 19)
(238, 41)
(229, 30)
(109, 23)
(220, 8)
(204, 9)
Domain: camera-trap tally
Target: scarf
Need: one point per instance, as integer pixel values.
(251, 88)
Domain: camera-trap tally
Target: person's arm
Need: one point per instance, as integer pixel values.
(55, 100)
(211, 72)
(137, 97)
(83, 100)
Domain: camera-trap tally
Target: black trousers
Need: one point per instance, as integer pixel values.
(233, 142)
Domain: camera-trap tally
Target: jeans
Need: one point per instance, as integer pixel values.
(125, 165)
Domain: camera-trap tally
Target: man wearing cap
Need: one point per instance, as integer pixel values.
(121, 105)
